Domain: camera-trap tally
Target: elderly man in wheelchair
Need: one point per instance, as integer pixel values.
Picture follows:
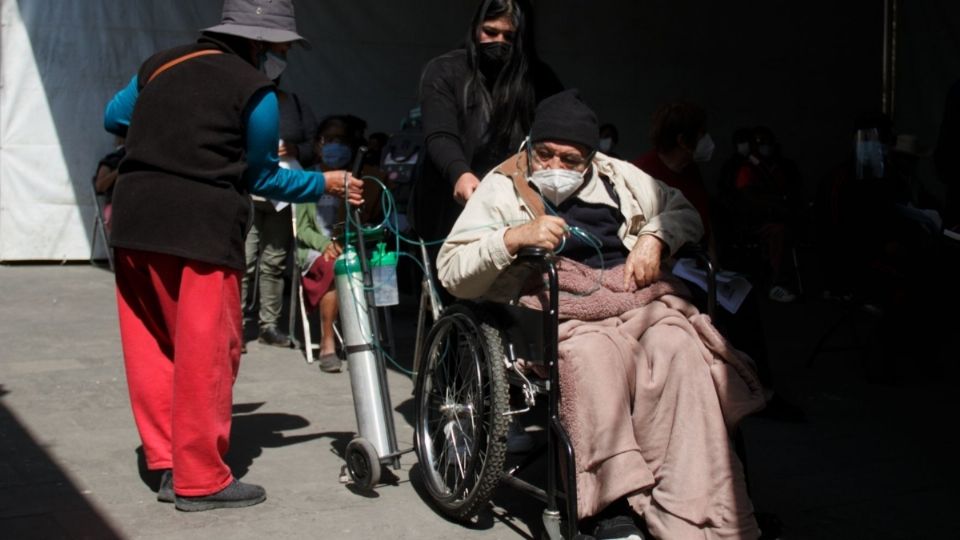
(649, 390)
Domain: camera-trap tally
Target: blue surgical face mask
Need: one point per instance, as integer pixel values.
(336, 155)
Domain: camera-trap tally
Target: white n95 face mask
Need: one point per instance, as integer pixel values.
(704, 150)
(557, 185)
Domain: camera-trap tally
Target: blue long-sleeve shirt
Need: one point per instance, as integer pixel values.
(263, 176)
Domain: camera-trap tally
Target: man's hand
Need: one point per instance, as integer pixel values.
(332, 251)
(466, 185)
(342, 184)
(643, 263)
(545, 232)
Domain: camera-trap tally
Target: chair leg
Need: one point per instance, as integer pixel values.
(99, 230)
(796, 270)
(93, 237)
(304, 322)
(295, 295)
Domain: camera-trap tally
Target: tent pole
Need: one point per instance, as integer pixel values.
(888, 98)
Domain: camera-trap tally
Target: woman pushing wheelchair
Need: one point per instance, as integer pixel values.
(650, 391)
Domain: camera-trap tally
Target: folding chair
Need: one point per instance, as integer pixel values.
(99, 226)
(297, 304)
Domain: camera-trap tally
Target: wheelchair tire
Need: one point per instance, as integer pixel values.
(363, 463)
(461, 398)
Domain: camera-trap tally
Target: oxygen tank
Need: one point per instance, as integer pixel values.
(359, 344)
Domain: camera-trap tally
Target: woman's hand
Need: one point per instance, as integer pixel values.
(643, 263)
(545, 232)
(342, 184)
(466, 185)
(332, 251)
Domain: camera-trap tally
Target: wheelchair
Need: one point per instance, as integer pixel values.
(465, 368)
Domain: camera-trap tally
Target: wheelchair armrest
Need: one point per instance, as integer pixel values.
(524, 274)
(533, 253)
(697, 252)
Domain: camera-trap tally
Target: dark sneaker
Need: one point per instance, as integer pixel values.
(165, 493)
(236, 495)
(272, 336)
(617, 528)
(781, 294)
(330, 363)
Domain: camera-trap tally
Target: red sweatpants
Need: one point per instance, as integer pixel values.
(181, 328)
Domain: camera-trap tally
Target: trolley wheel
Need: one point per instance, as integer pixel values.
(363, 464)
(461, 398)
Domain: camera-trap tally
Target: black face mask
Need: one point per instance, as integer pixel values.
(492, 57)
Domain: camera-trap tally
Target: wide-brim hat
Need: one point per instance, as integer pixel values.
(272, 21)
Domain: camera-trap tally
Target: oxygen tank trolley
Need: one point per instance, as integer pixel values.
(376, 442)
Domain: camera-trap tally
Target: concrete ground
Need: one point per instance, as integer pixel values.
(872, 460)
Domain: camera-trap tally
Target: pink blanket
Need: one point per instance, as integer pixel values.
(650, 391)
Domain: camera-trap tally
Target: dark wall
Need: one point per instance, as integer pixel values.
(928, 62)
(806, 69)
(803, 68)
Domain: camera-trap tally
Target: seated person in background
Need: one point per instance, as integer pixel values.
(742, 140)
(882, 257)
(106, 177)
(680, 142)
(336, 145)
(609, 138)
(945, 157)
(375, 144)
(767, 201)
(318, 222)
(649, 388)
(316, 253)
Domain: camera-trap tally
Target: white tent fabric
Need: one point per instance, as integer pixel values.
(60, 63)
(803, 72)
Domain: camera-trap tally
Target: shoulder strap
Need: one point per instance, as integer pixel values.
(516, 168)
(184, 58)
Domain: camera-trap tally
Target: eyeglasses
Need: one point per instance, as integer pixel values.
(569, 160)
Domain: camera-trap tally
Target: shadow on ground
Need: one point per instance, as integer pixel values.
(37, 499)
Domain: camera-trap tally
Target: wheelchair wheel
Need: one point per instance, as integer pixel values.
(363, 464)
(461, 399)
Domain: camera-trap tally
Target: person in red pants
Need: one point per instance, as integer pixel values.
(201, 123)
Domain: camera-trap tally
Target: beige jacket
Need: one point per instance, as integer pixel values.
(474, 252)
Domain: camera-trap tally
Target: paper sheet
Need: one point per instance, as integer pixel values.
(732, 288)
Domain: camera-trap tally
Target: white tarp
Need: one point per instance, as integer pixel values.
(61, 60)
